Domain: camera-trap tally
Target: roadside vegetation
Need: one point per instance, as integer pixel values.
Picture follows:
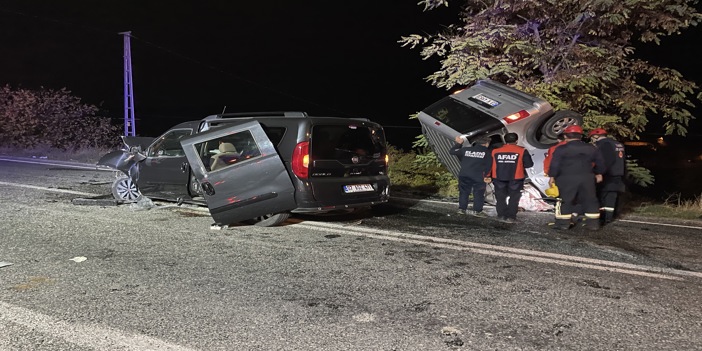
(56, 119)
(673, 207)
(415, 172)
(579, 57)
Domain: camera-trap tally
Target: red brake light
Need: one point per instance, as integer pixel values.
(516, 117)
(301, 159)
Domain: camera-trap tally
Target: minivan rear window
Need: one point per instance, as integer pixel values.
(461, 117)
(346, 141)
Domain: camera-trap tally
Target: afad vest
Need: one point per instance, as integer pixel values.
(507, 162)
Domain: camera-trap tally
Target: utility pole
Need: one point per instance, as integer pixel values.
(129, 122)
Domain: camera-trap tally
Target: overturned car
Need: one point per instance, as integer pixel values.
(493, 109)
(258, 168)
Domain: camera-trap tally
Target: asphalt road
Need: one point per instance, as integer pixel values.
(409, 276)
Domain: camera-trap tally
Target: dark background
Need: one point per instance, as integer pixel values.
(191, 59)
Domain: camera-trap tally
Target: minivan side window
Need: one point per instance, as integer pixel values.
(169, 144)
(274, 134)
(228, 150)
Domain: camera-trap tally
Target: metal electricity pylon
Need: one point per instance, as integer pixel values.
(129, 122)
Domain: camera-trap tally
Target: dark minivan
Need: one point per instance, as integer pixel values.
(257, 168)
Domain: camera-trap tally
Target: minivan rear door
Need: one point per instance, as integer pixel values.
(247, 179)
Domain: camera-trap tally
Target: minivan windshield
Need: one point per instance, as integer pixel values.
(346, 141)
(461, 117)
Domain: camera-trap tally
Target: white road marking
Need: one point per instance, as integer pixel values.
(48, 189)
(661, 224)
(486, 249)
(506, 251)
(85, 335)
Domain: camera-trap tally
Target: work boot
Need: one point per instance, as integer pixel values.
(461, 212)
(561, 224)
(480, 214)
(592, 222)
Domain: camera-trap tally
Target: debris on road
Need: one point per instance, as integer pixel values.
(78, 259)
(5, 264)
(101, 200)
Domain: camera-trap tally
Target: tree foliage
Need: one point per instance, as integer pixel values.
(54, 118)
(577, 54)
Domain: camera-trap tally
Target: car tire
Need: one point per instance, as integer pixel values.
(559, 121)
(268, 220)
(124, 189)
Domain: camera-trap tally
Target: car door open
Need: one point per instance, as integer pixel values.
(240, 172)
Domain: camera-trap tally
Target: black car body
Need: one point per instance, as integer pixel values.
(258, 167)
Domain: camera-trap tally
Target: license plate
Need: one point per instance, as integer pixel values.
(484, 100)
(357, 188)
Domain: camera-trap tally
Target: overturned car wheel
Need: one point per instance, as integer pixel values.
(268, 220)
(558, 123)
(125, 189)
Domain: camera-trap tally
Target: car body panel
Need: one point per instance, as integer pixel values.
(481, 110)
(165, 169)
(124, 161)
(246, 188)
(172, 176)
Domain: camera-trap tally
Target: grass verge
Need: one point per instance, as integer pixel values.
(673, 207)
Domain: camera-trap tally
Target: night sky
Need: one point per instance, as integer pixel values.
(190, 59)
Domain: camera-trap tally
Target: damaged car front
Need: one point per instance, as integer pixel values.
(126, 161)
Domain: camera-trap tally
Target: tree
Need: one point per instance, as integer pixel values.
(54, 118)
(577, 54)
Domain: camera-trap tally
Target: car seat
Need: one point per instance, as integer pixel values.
(227, 153)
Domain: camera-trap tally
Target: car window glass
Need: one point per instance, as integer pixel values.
(275, 134)
(228, 150)
(457, 115)
(346, 141)
(169, 144)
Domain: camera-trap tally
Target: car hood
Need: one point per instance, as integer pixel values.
(124, 160)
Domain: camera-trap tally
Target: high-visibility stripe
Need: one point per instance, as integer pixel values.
(592, 215)
(608, 209)
(563, 216)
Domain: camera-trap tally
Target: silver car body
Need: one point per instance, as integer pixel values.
(493, 109)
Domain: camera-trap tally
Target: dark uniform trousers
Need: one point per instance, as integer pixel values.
(577, 193)
(466, 186)
(505, 188)
(609, 191)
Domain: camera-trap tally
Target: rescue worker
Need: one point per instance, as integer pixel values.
(613, 178)
(575, 168)
(475, 166)
(549, 153)
(508, 173)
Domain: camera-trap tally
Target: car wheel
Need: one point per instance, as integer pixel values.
(269, 220)
(560, 120)
(126, 190)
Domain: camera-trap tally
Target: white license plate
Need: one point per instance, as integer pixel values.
(484, 99)
(357, 188)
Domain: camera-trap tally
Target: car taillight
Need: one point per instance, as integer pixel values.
(301, 159)
(516, 117)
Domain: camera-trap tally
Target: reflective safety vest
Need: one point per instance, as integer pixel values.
(509, 162)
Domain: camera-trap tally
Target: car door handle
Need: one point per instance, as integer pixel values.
(184, 167)
(208, 188)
